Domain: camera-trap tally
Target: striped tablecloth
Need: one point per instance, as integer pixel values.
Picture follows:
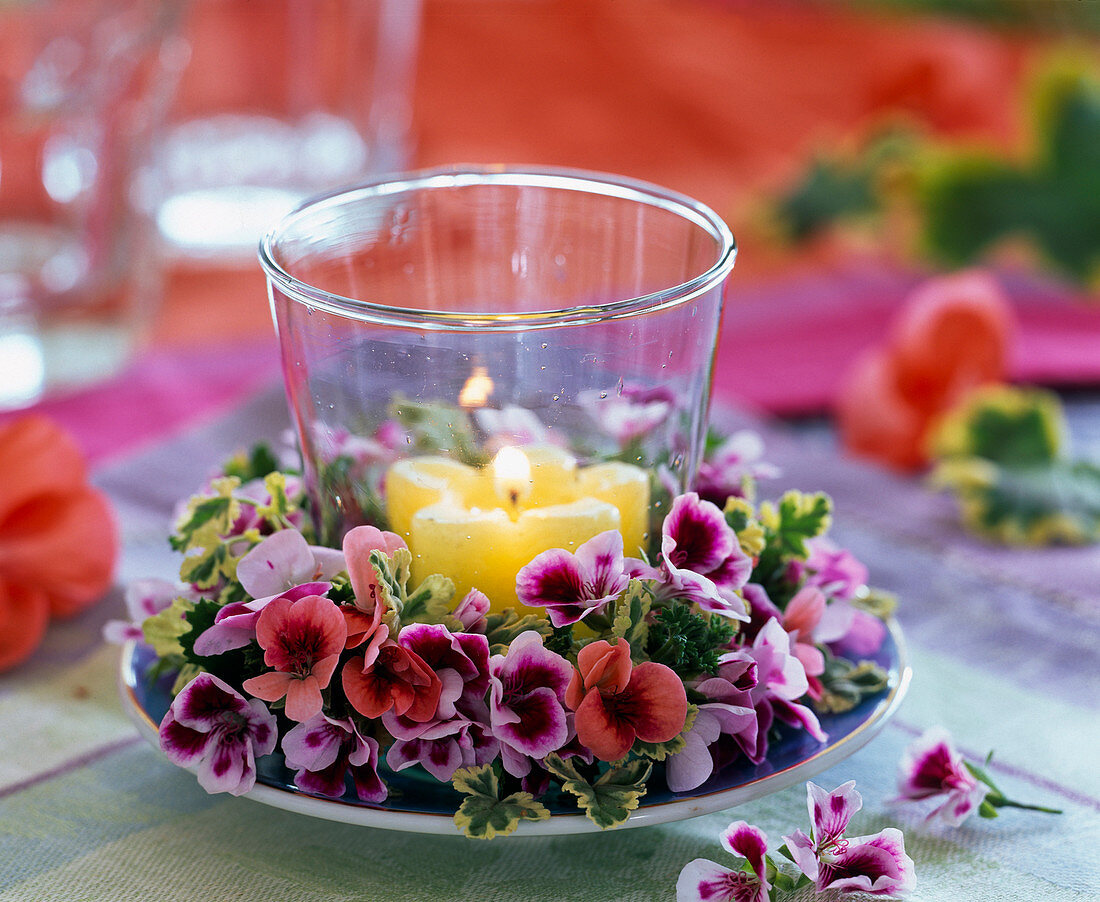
(1004, 645)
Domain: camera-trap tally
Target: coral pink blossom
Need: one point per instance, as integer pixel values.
(365, 619)
(953, 335)
(302, 640)
(58, 541)
(616, 702)
(397, 678)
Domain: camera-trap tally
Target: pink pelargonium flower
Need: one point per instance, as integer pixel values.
(932, 768)
(731, 467)
(572, 586)
(144, 598)
(616, 702)
(324, 751)
(302, 640)
(442, 746)
(704, 881)
(472, 612)
(212, 729)
(284, 560)
(780, 681)
(365, 618)
(629, 412)
(527, 701)
(235, 624)
(876, 864)
(702, 559)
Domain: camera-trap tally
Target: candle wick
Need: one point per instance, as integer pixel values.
(514, 495)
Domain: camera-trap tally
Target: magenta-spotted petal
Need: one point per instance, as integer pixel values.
(214, 730)
(571, 586)
(750, 843)
(876, 865)
(704, 881)
(527, 697)
(932, 768)
(830, 812)
(701, 538)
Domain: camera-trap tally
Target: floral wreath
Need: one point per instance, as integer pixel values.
(747, 622)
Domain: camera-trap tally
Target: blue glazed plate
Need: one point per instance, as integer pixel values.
(419, 804)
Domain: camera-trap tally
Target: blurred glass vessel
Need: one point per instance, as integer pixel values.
(83, 87)
(280, 100)
(493, 362)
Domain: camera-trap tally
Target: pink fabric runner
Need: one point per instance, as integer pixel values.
(160, 394)
(785, 346)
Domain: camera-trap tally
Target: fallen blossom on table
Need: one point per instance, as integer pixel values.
(874, 864)
(704, 881)
(953, 334)
(931, 768)
(58, 539)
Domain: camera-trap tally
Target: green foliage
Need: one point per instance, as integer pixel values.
(502, 628)
(255, 463)
(831, 190)
(429, 602)
(846, 684)
(439, 427)
(483, 814)
(629, 621)
(688, 642)
(788, 525)
(561, 641)
(607, 801)
(234, 666)
(205, 532)
(164, 629)
(207, 517)
(1001, 454)
(972, 202)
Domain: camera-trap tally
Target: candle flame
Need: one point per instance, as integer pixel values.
(477, 389)
(512, 474)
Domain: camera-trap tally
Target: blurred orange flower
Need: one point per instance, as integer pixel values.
(953, 334)
(58, 541)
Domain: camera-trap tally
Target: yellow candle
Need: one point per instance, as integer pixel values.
(480, 526)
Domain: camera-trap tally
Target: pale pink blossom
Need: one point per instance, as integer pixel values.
(212, 729)
(629, 412)
(325, 751)
(732, 467)
(144, 598)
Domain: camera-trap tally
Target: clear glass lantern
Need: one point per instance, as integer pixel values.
(495, 362)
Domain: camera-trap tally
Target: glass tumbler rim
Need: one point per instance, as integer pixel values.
(580, 180)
